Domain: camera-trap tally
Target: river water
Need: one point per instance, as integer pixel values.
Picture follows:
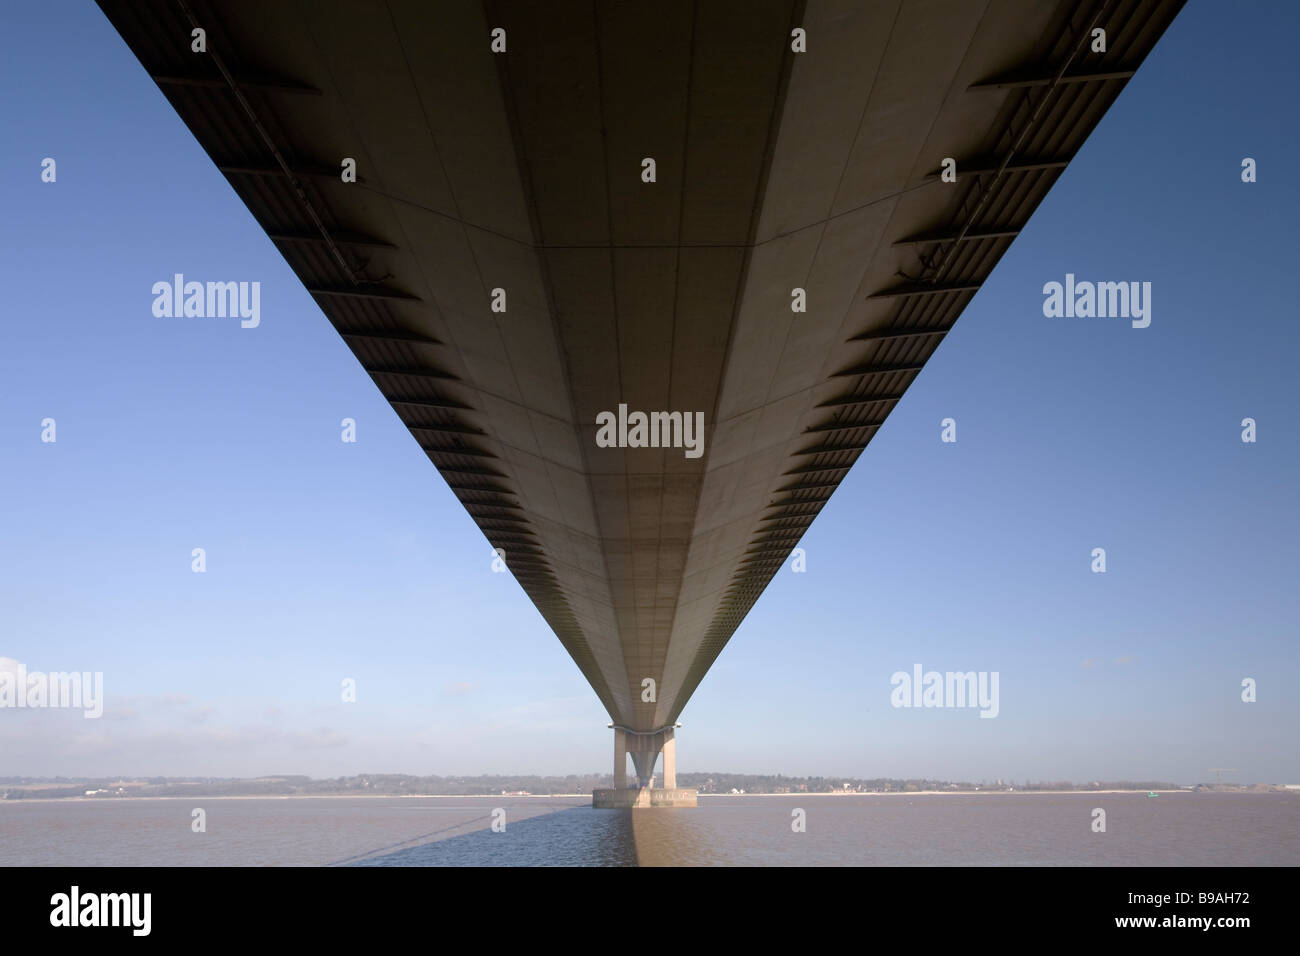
(1000, 829)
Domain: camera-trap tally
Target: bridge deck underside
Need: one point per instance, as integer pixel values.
(522, 171)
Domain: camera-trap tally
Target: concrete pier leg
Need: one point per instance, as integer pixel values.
(670, 761)
(620, 760)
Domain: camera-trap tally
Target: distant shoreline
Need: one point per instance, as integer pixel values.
(556, 796)
(934, 793)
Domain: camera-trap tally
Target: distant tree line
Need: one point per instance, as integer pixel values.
(392, 784)
(297, 785)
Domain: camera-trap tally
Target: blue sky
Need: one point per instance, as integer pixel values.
(328, 560)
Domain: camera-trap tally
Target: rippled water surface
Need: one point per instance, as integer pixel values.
(1012, 829)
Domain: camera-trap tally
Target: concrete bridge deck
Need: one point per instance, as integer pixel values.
(730, 212)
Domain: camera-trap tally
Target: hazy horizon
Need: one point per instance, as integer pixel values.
(489, 774)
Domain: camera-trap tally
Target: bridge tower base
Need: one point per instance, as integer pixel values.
(644, 749)
(642, 799)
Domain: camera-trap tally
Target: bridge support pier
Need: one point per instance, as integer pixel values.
(620, 759)
(670, 760)
(644, 749)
